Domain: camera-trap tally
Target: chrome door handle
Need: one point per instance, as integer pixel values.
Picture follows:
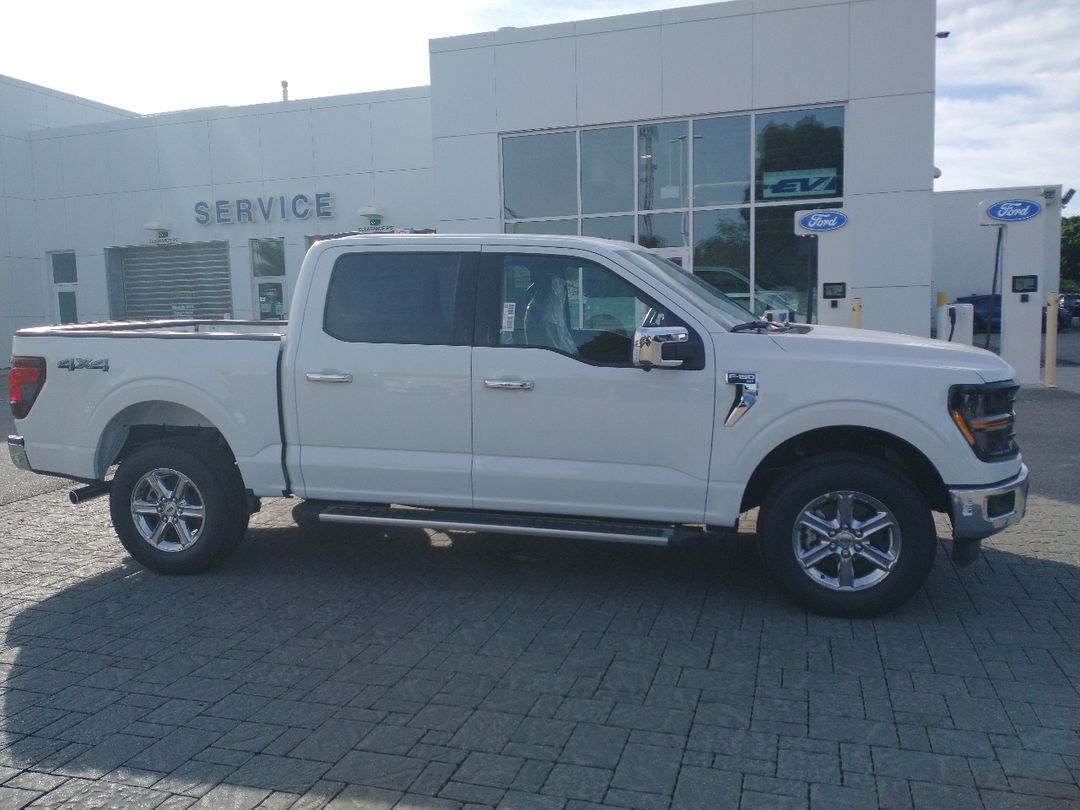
(319, 376)
(509, 385)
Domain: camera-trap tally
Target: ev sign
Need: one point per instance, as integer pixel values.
(800, 183)
(1013, 210)
(819, 221)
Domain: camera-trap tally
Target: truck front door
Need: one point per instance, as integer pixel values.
(563, 422)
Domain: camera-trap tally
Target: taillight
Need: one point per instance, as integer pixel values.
(25, 380)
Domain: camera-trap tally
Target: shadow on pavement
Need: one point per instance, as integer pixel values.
(409, 665)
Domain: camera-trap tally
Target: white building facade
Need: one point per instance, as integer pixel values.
(698, 132)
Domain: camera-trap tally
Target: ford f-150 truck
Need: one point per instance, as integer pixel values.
(555, 386)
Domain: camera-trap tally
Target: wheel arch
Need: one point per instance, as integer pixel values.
(143, 423)
(855, 439)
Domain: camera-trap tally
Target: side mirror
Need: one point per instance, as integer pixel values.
(649, 343)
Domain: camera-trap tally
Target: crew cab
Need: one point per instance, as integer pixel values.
(540, 385)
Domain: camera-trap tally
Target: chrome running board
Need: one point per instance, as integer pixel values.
(619, 531)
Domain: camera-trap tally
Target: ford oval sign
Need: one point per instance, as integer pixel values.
(821, 221)
(1013, 210)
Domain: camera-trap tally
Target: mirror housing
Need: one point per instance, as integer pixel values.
(649, 343)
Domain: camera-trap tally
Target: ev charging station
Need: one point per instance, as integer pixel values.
(1021, 224)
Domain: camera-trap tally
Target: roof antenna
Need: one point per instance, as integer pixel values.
(284, 91)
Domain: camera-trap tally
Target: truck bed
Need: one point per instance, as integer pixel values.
(104, 379)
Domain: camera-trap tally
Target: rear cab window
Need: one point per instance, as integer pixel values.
(402, 297)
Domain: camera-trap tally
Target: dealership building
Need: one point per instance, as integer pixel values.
(704, 133)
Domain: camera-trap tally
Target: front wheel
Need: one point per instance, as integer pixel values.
(177, 511)
(846, 535)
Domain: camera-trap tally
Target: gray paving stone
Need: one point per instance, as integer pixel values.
(231, 797)
(15, 798)
(1034, 765)
(473, 794)
(172, 750)
(705, 789)
(808, 766)
(531, 777)
(194, 778)
(961, 743)
(1052, 740)
(717, 740)
(486, 731)
(376, 770)
(920, 766)
(647, 769)
(835, 797)
(597, 746)
(649, 718)
(252, 737)
(330, 741)
(105, 756)
(852, 730)
(542, 731)
(493, 770)
(286, 774)
(930, 797)
(752, 800)
(516, 800)
(618, 797)
(577, 782)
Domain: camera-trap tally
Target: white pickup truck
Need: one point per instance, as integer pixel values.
(553, 386)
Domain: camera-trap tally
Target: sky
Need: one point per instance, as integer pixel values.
(1008, 75)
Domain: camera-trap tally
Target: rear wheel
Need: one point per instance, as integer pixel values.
(178, 510)
(846, 535)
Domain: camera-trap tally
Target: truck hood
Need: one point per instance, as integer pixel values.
(892, 348)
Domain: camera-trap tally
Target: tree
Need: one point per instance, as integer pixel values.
(1070, 254)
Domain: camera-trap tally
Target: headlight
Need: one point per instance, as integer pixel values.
(984, 414)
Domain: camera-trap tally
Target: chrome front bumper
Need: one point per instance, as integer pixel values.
(17, 449)
(979, 512)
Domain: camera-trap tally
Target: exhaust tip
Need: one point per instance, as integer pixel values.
(87, 493)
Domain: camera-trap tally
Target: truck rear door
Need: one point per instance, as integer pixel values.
(382, 386)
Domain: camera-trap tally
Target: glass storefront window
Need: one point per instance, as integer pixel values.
(662, 230)
(714, 194)
(785, 266)
(540, 176)
(607, 170)
(663, 161)
(267, 257)
(722, 160)
(561, 227)
(609, 227)
(722, 251)
(800, 154)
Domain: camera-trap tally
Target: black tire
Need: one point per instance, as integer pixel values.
(849, 573)
(191, 504)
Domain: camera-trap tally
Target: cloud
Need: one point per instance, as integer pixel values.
(1008, 94)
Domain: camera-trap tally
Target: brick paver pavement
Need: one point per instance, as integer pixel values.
(414, 670)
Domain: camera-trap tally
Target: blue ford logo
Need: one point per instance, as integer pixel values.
(1013, 210)
(820, 221)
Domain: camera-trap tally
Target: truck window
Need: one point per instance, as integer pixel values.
(421, 298)
(570, 305)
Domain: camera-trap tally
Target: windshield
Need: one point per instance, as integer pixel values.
(706, 296)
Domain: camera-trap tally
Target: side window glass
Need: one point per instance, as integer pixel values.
(397, 298)
(572, 306)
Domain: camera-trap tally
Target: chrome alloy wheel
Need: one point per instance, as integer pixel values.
(846, 540)
(168, 510)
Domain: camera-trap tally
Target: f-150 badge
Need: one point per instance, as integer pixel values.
(741, 378)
